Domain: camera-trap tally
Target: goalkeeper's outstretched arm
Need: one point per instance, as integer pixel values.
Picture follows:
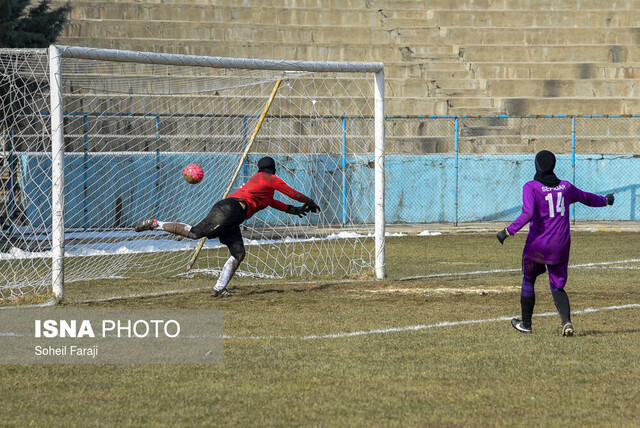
(309, 204)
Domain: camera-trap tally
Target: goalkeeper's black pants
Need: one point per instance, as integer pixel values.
(222, 222)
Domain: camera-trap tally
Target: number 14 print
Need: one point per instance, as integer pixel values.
(559, 207)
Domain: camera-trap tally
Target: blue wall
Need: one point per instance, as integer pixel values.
(420, 188)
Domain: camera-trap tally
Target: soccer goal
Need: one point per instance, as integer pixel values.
(95, 140)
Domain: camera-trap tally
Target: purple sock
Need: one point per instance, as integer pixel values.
(527, 288)
(527, 301)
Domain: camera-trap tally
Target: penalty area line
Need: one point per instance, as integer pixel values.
(422, 326)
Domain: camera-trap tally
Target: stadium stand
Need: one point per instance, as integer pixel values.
(442, 57)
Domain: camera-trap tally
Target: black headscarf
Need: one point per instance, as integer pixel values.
(545, 163)
(267, 164)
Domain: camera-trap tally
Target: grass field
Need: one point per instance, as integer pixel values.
(437, 350)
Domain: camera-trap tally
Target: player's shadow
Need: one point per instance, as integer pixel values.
(606, 332)
(295, 290)
(268, 291)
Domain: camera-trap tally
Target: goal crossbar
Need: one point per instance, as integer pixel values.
(217, 62)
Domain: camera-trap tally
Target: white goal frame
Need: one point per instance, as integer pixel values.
(56, 53)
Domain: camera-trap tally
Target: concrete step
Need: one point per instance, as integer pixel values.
(570, 106)
(417, 37)
(533, 145)
(422, 53)
(541, 36)
(512, 142)
(402, 106)
(556, 70)
(282, 4)
(396, 4)
(535, 18)
(468, 130)
(433, 64)
(459, 84)
(392, 14)
(413, 22)
(406, 87)
(541, 5)
(434, 51)
(482, 146)
(83, 9)
(427, 70)
(550, 53)
(226, 31)
(463, 101)
(596, 88)
(459, 93)
(423, 144)
(450, 74)
(418, 127)
(612, 146)
(493, 122)
(474, 111)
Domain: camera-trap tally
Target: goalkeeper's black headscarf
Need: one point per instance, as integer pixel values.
(545, 163)
(267, 164)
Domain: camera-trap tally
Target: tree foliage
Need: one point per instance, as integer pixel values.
(37, 28)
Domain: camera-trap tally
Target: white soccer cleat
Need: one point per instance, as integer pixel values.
(567, 330)
(221, 293)
(519, 325)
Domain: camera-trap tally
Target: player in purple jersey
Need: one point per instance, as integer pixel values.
(545, 206)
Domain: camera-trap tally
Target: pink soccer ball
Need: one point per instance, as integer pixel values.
(193, 173)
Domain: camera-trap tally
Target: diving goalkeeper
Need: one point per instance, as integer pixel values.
(226, 216)
(545, 206)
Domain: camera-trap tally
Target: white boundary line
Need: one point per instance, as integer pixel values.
(422, 326)
(482, 272)
(50, 302)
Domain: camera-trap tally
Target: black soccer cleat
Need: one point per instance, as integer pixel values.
(567, 330)
(143, 225)
(221, 293)
(519, 325)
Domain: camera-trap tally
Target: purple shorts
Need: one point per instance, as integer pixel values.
(557, 273)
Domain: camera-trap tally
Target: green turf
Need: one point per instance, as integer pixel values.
(480, 374)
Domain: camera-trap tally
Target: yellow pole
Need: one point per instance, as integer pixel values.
(196, 253)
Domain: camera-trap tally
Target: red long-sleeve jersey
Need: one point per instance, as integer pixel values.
(258, 193)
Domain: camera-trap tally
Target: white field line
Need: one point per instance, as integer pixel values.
(442, 290)
(50, 302)
(615, 267)
(483, 272)
(422, 326)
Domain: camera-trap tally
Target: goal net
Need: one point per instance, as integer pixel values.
(96, 140)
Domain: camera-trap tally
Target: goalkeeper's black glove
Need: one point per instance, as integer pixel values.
(502, 235)
(610, 199)
(299, 211)
(312, 206)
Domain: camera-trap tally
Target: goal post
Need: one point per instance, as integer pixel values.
(109, 131)
(57, 173)
(380, 222)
